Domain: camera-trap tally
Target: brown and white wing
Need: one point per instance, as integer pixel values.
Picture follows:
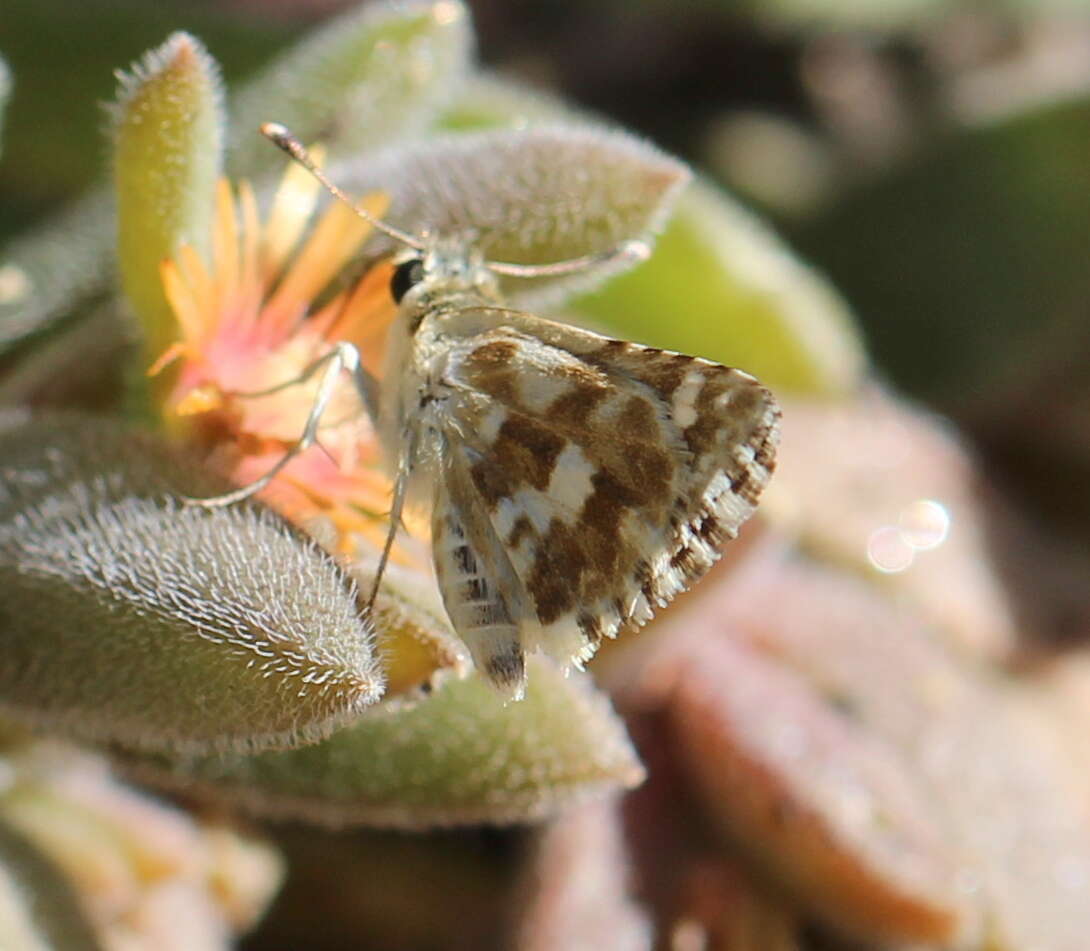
(610, 473)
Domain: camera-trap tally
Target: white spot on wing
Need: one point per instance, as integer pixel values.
(540, 391)
(528, 502)
(491, 422)
(570, 483)
(685, 396)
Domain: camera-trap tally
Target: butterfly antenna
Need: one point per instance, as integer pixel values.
(627, 250)
(283, 139)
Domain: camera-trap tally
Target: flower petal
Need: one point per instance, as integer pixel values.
(335, 238)
(128, 616)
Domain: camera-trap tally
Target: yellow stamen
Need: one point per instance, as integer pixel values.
(200, 399)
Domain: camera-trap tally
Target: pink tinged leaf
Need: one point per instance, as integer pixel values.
(129, 616)
(832, 813)
(576, 892)
(144, 871)
(987, 753)
(900, 503)
(720, 906)
(701, 895)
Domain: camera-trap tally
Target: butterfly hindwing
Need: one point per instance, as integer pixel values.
(482, 596)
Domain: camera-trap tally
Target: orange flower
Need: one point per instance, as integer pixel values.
(255, 320)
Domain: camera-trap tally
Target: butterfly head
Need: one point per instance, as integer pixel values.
(443, 268)
(440, 277)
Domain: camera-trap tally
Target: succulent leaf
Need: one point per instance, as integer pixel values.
(167, 126)
(459, 757)
(720, 283)
(376, 73)
(533, 196)
(130, 616)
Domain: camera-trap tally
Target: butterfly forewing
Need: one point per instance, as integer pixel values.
(608, 473)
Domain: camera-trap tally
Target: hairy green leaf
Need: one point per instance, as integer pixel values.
(577, 887)
(459, 757)
(533, 196)
(720, 283)
(376, 73)
(487, 100)
(58, 267)
(167, 150)
(130, 616)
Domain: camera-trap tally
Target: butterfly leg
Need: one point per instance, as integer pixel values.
(347, 357)
(344, 356)
(401, 483)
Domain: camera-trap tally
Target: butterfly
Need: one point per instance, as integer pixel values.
(576, 482)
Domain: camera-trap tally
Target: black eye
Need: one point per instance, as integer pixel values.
(406, 274)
